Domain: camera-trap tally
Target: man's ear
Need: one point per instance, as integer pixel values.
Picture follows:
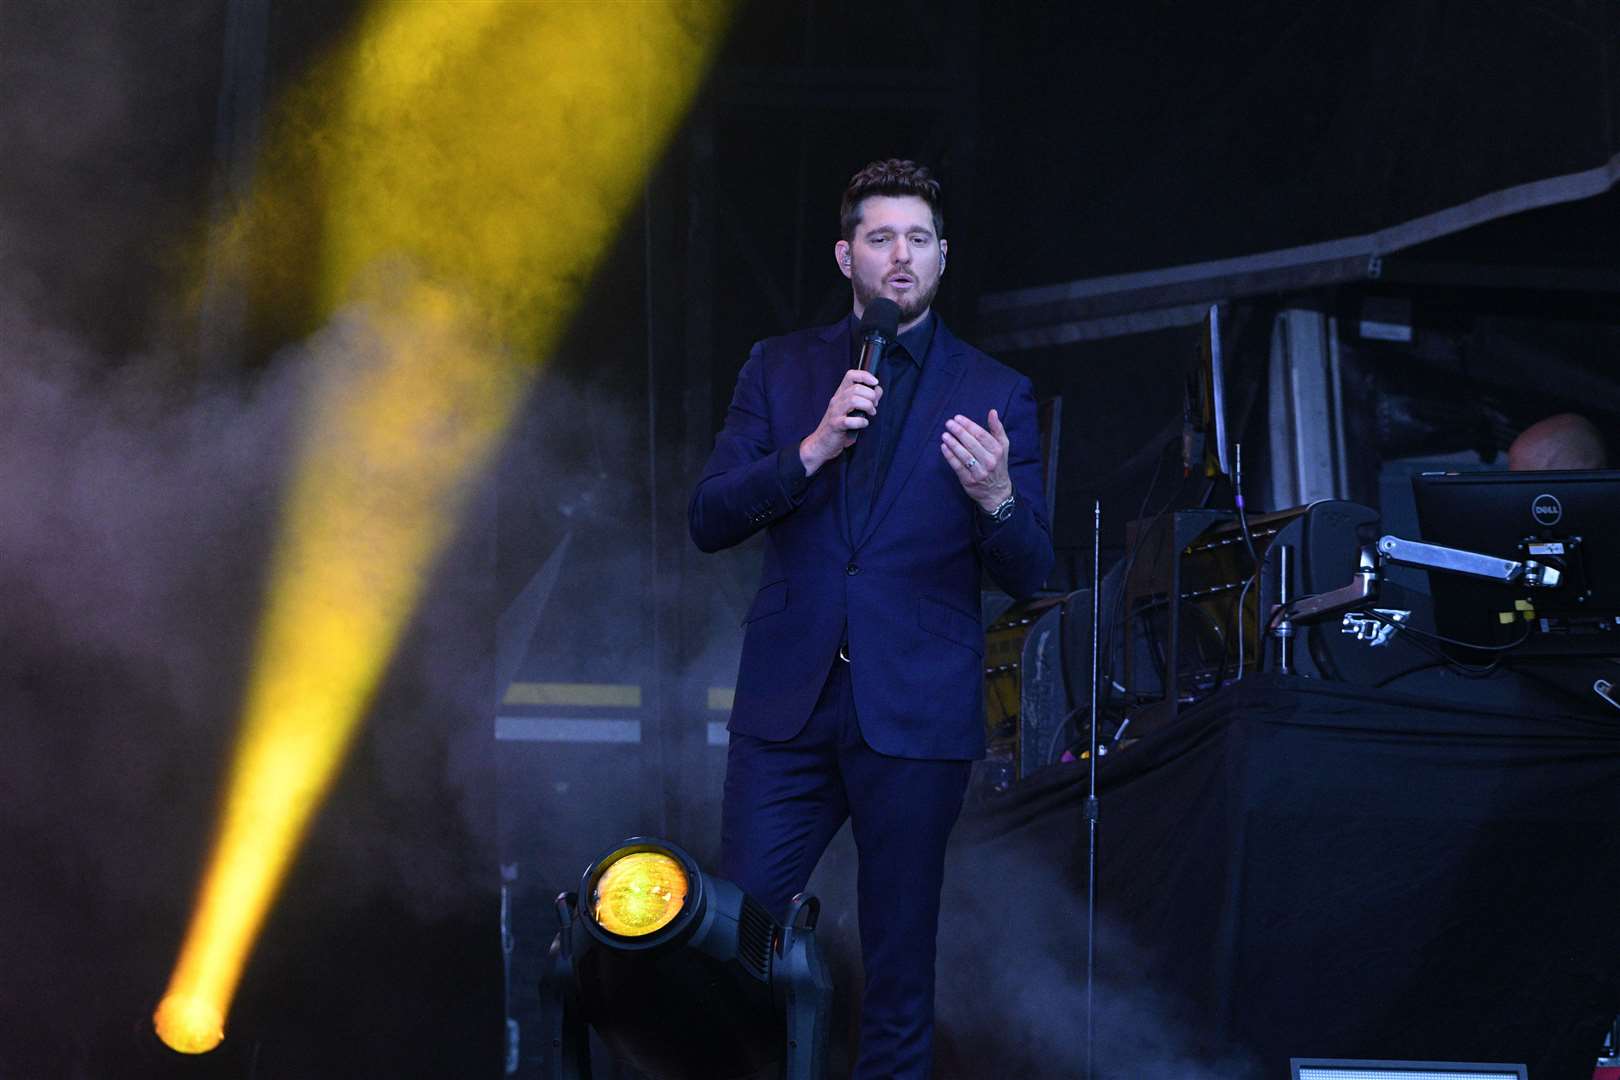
(943, 246)
(842, 256)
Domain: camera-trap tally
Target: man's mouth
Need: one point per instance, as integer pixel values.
(902, 281)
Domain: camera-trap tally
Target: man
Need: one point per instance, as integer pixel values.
(860, 690)
(1564, 441)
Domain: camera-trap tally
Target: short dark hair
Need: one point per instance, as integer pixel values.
(893, 177)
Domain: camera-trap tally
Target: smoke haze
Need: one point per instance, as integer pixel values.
(138, 505)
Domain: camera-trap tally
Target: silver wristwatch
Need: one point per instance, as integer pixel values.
(1003, 511)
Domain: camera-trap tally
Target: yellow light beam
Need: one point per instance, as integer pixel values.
(472, 161)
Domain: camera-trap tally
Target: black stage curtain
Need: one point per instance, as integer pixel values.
(1298, 869)
(1129, 137)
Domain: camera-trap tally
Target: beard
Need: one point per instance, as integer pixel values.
(912, 302)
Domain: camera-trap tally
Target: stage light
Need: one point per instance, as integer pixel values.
(438, 192)
(682, 974)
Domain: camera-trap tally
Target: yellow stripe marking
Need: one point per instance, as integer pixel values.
(598, 695)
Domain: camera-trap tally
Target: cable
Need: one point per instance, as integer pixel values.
(1118, 613)
(1243, 598)
(1472, 671)
(1254, 575)
(1430, 666)
(1254, 560)
(1514, 644)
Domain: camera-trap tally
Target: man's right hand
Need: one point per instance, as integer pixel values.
(852, 407)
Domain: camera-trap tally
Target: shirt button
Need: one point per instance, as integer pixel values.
(852, 569)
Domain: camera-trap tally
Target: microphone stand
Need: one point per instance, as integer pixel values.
(1091, 797)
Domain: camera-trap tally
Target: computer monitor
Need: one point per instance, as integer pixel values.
(1570, 520)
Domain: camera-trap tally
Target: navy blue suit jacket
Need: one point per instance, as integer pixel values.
(908, 588)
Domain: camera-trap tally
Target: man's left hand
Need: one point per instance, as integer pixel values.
(979, 458)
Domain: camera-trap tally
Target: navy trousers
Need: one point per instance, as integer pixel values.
(784, 801)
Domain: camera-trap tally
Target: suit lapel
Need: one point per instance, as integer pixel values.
(941, 373)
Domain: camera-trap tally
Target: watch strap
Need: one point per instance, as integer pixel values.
(1003, 510)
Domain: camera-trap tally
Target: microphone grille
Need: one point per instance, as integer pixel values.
(882, 316)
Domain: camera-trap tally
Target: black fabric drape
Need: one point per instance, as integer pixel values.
(1299, 869)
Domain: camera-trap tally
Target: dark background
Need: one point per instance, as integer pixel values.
(140, 472)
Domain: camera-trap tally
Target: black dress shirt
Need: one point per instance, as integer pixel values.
(897, 371)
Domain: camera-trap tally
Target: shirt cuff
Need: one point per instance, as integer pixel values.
(986, 526)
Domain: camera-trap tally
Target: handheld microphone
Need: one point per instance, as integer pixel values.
(880, 326)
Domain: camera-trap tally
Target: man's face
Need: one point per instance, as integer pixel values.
(895, 254)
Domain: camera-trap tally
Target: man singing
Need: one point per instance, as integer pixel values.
(860, 691)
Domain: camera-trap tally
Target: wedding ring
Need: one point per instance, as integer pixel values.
(973, 463)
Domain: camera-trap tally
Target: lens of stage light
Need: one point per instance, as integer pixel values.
(188, 1025)
(639, 894)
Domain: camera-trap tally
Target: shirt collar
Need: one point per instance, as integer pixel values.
(915, 341)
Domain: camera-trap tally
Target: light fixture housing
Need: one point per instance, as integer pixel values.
(682, 974)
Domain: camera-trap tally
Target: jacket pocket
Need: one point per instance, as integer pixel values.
(770, 599)
(951, 624)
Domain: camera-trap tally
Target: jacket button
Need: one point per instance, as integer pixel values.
(852, 569)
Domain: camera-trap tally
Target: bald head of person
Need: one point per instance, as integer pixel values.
(1565, 441)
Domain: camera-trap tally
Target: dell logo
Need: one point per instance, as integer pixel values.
(1547, 510)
